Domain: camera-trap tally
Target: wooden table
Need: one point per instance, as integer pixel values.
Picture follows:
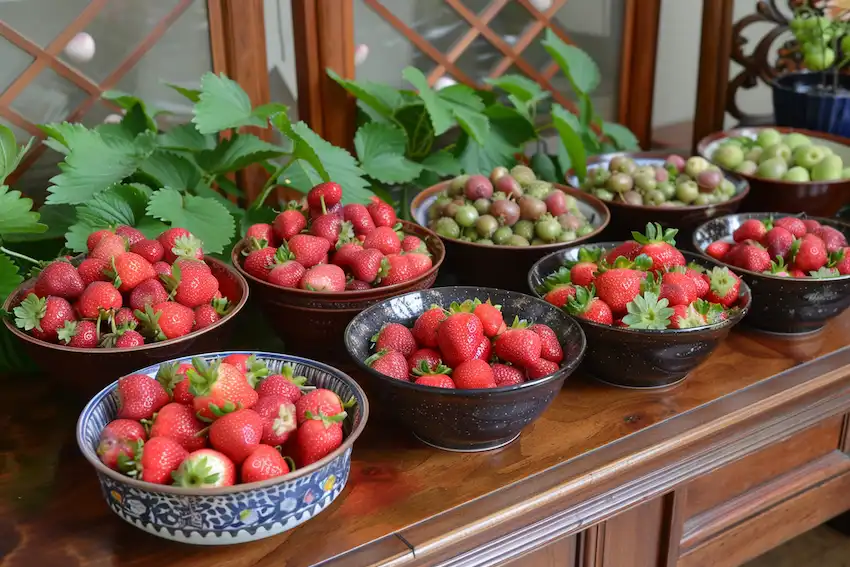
(751, 450)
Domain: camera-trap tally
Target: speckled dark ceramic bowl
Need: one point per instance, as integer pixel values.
(625, 217)
(782, 305)
(312, 323)
(463, 420)
(641, 358)
(483, 265)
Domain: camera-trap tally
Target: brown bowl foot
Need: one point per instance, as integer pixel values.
(471, 447)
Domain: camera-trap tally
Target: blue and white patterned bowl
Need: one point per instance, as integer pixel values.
(234, 514)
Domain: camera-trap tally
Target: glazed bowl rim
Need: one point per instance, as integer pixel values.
(791, 281)
(458, 392)
(775, 83)
(243, 286)
(347, 443)
(730, 322)
(595, 201)
(363, 294)
(703, 144)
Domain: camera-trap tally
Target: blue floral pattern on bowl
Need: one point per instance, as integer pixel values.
(234, 514)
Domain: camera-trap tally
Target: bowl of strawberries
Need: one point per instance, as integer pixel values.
(128, 302)
(223, 448)
(798, 267)
(651, 312)
(320, 263)
(464, 368)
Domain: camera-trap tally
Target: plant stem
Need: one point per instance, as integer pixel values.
(20, 256)
(269, 185)
(545, 127)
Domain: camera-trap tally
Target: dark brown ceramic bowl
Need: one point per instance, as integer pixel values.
(504, 267)
(782, 305)
(625, 217)
(821, 198)
(636, 358)
(463, 420)
(310, 323)
(90, 369)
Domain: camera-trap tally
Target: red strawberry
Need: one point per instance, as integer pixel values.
(700, 285)
(686, 317)
(483, 350)
(78, 334)
(629, 250)
(317, 437)
(179, 242)
(382, 213)
(43, 317)
(278, 415)
(166, 320)
(262, 231)
(129, 270)
(660, 246)
(95, 237)
(162, 268)
(178, 422)
(132, 235)
(109, 246)
(149, 292)
(205, 315)
(419, 263)
(205, 468)
(474, 374)
(358, 215)
(750, 229)
(263, 463)
(811, 225)
(459, 337)
(675, 294)
(328, 226)
(395, 336)
(430, 357)
(326, 278)
(253, 369)
(321, 401)
(426, 325)
(357, 285)
(809, 253)
(400, 270)
(287, 274)
(93, 270)
(367, 265)
(491, 319)
(618, 287)
(260, 260)
(285, 384)
(507, 375)
(346, 253)
(59, 279)
(335, 210)
(718, 249)
(685, 282)
(842, 261)
(550, 347)
(749, 257)
(540, 368)
(289, 223)
(793, 225)
(833, 238)
(436, 381)
(139, 396)
(99, 296)
(237, 434)
(150, 250)
(128, 338)
(412, 243)
(325, 194)
(172, 377)
(385, 239)
(582, 273)
(520, 347)
(157, 459)
(586, 305)
(218, 388)
(119, 441)
(308, 250)
(389, 363)
(191, 283)
(125, 318)
(560, 294)
(724, 287)
(778, 242)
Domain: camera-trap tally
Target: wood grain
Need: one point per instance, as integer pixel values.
(714, 63)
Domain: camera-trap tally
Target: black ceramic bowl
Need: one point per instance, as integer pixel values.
(780, 304)
(641, 358)
(463, 420)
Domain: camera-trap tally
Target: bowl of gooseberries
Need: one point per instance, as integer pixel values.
(673, 190)
(506, 218)
(789, 170)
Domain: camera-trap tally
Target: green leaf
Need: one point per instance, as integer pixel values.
(585, 115)
(381, 98)
(544, 167)
(194, 95)
(67, 134)
(204, 190)
(576, 64)
(121, 130)
(417, 125)
(206, 218)
(16, 214)
(302, 149)
(380, 149)
(10, 154)
(568, 127)
(466, 106)
(256, 215)
(57, 218)
(186, 138)
(442, 163)
(10, 278)
(120, 204)
(130, 104)
(439, 112)
(509, 131)
(524, 89)
(223, 104)
(171, 170)
(622, 137)
(237, 152)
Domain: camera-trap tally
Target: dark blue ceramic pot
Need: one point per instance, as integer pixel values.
(798, 102)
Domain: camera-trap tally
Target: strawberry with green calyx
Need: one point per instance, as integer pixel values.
(585, 305)
(414, 244)
(237, 434)
(321, 401)
(460, 336)
(840, 260)
(166, 320)
(178, 421)
(128, 270)
(824, 273)
(711, 313)
(119, 438)
(253, 369)
(179, 242)
(647, 311)
(809, 253)
(491, 318)
(434, 376)
(79, 334)
(426, 325)
(121, 335)
(779, 268)
(191, 283)
(618, 286)
(752, 229)
(285, 384)
(389, 363)
(724, 286)
(139, 397)
(205, 468)
(59, 279)
(219, 388)
(583, 271)
(172, 377)
(317, 437)
(42, 317)
(367, 265)
(260, 258)
(265, 462)
(99, 298)
(154, 460)
(395, 336)
(207, 314)
(289, 222)
(262, 231)
(428, 356)
(660, 246)
(557, 287)
(129, 339)
(686, 317)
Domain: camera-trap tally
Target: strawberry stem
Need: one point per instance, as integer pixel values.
(20, 256)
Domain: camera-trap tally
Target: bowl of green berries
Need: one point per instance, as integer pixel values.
(496, 227)
(789, 170)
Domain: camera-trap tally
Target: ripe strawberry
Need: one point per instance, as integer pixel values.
(474, 374)
(660, 246)
(289, 223)
(139, 396)
(128, 338)
(811, 225)
(129, 270)
(288, 274)
(326, 278)
(586, 305)
(426, 325)
(166, 320)
(675, 294)
(43, 317)
(385, 239)
(618, 287)
(330, 227)
(237, 434)
(60, 279)
(278, 415)
(172, 377)
(262, 231)
(629, 250)
(550, 347)
(560, 294)
(718, 249)
(179, 242)
(191, 283)
(359, 217)
(93, 270)
(520, 347)
(308, 250)
(842, 261)
(325, 195)
(263, 463)
(778, 242)
(723, 287)
(78, 334)
(321, 401)
(412, 243)
(382, 213)
(367, 265)
(178, 422)
(357, 285)
(809, 253)
(424, 359)
(483, 350)
(218, 388)
(205, 468)
(346, 253)
(491, 318)
(505, 375)
(162, 268)
(132, 235)
(159, 458)
(540, 368)
(793, 225)
(205, 315)
(395, 336)
(458, 338)
(685, 282)
(95, 237)
(750, 229)
(582, 273)
(253, 369)
(150, 250)
(99, 296)
(118, 442)
(833, 238)
(436, 381)
(285, 384)
(400, 270)
(149, 292)
(317, 437)
(699, 283)
(109, 246)
(260, 259)
(749, 257)
(389, 363)
(419, 263)
(685, 317)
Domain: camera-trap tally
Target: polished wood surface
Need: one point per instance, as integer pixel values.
(599, 454)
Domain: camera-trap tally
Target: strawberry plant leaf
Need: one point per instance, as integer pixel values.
(57, 218)
(576, 64)
(302, 149)
(442, 163)
(413, 118)
(10, 276)
(622, 137)
(256, 215)
(66, 135)
(10, 154)
(568, 127)
(439, 112)
(172, 170)
(223, 104)
(509, 130)
(128, 102)
(380, 148)
(204, 190)
(524, 89)
(544, 167)
(237, 152)
(206, 218)
(16, 214)
(381, 98)
(193, 95)
(121, 130)
(466, 106)
(186, 138)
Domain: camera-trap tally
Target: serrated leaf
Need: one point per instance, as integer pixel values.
(568, 127)
(417, 125)
(509, 131)
(380, 149)
(57, 218)
(10, 276)
(137, 117)
(171, 170)
(622, 137)
(192, 94)
(204, 190)
(223, 104)
(121, 204)
(301, 148)
(473, 123)
(438, 111)
(575, 63)
(466, 106)
(137, 121)
(381, 98)
(186, 138)
(442, 163)
(10, 154)
(66, 134)
(206, 218)
(237, 152)
(544, 167)
(16, 214)
(461, 95)
(120, 130)
(524, 89)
